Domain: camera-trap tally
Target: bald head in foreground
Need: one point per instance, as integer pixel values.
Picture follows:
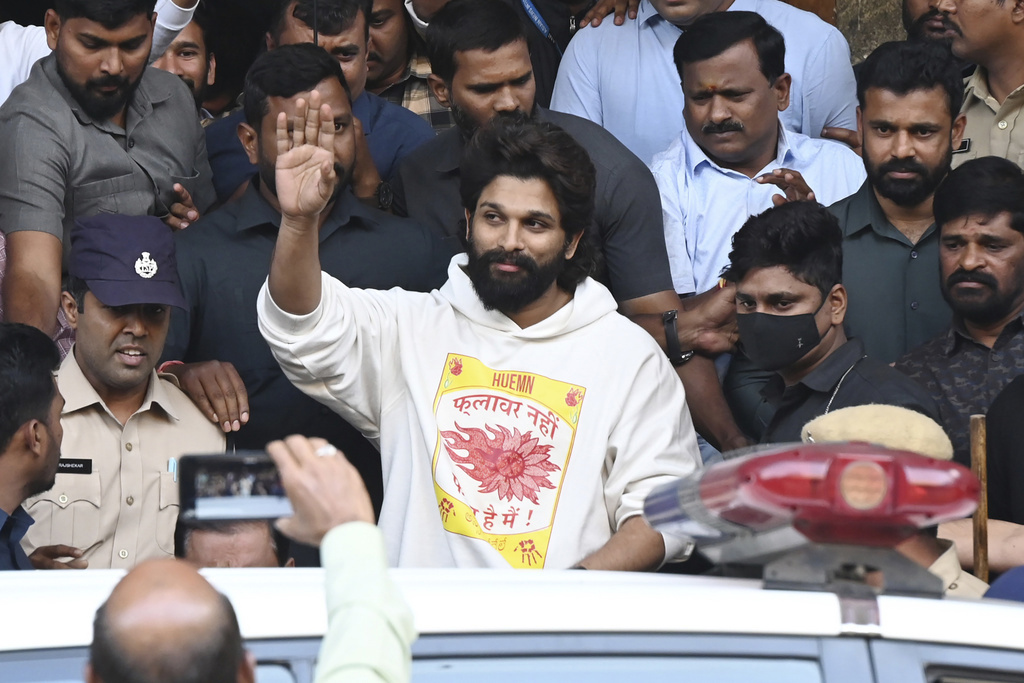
(165, 622)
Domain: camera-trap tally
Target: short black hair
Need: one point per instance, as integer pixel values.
(203, 18)
(213, 657)
(332, 16)
(110, 14)
(902, 67)
(802, 237)
(982, 187)
(464, 25)
(28, 359)
(714, 33)
(183, 531)
(285, 72)
(514, 145)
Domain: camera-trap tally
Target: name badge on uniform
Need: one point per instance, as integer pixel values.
(74, 466)
(965, 146)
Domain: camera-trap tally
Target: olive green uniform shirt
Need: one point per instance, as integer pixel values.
(120, 507)
(993, 129)
(895, 300)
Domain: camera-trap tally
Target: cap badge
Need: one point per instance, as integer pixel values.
(145, 266)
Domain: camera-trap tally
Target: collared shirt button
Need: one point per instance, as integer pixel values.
(130, 499)
(131, 142)
(128, 446)
(62, 499)
(123, 554)
(913, 305)
(913, 254)
(1002, 125)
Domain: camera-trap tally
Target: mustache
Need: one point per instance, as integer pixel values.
(728, 126)
(903, 166)
(509, 258)
(964, 276)
(120, 82)
(373, 56)
(933, 13)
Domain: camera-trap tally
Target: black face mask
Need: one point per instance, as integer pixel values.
(774, 342)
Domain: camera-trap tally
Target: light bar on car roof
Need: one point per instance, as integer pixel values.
(851, 493)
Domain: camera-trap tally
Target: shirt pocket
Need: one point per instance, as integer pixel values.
(102, 196)
(167, 515)
(73, 508)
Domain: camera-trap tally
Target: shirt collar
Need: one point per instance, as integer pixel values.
(78, 393)
(695, 156)
(254, 211)
(20, 523)
(419, 67)
(826, 376)
(865, 212)
(958, 331)
(647, 13)
(977, 85)
(947, 567)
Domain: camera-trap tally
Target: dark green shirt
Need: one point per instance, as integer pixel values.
(896, 303)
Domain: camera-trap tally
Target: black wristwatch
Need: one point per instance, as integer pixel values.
(675, 354)
(384, 196)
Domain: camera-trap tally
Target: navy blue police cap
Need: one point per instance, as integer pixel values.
(126, 260)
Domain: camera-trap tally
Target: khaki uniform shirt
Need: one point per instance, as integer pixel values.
(123, 511)
(955, 581)
(993, 129)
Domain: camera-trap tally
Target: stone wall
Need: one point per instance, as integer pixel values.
(868, 23)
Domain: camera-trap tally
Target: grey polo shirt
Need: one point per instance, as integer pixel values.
(895, 299)
(58, 164)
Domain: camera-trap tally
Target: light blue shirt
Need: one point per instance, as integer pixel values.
(704, 204)
(623, 77)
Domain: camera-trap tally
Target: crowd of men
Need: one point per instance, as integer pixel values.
(521, 265)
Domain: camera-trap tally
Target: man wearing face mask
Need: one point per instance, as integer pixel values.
(787, 264)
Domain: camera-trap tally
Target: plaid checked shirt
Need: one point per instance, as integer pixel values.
(413, 93)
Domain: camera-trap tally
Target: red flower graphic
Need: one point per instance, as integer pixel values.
(511, 463)
(455, 366)
(573, 397)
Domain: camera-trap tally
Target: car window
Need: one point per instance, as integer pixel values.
(627, 669)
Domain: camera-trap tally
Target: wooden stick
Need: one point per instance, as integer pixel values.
(979, 465)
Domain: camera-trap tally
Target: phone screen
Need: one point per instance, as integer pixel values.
(242, 485)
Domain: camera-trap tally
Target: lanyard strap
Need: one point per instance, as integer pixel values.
(539, 22)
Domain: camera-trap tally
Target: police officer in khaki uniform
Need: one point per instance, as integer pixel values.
(116, 494)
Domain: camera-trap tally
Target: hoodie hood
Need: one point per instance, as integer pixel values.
(591, 302)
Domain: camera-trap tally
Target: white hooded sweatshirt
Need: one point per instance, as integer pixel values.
(500, 446)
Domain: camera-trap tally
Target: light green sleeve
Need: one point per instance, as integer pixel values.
(370, 627)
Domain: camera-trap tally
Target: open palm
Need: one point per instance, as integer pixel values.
(305, 173)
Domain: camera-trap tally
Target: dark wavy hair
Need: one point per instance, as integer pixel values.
(802, 237)
(284, 72)
(27, 361)
(514, 145)
(110, 14)
(332, 16)
(902, 67)
(714, 33)
(982, 187)
(464, 25)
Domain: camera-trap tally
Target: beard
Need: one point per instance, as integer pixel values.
(468, 126)
(510, 292)
(986, 306)
(908, 191)
(99, 105)
(916, 29)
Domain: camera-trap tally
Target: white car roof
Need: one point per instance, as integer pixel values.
(55, 609)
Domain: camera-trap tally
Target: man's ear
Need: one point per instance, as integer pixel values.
(570, 250)
(781, 87)
(211, 76)
(837, 300)
(860, 123)
(269, 40)
(70, 306)
(442, 93)
(250, 140)
(52, 23)
(1017, 13)
(90, 675)
(959, 126)
(247, 669)
(469, 220)
(290, 562)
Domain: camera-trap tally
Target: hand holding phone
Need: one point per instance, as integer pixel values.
(324, 487)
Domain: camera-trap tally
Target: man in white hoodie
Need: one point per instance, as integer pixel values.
(521, 420)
